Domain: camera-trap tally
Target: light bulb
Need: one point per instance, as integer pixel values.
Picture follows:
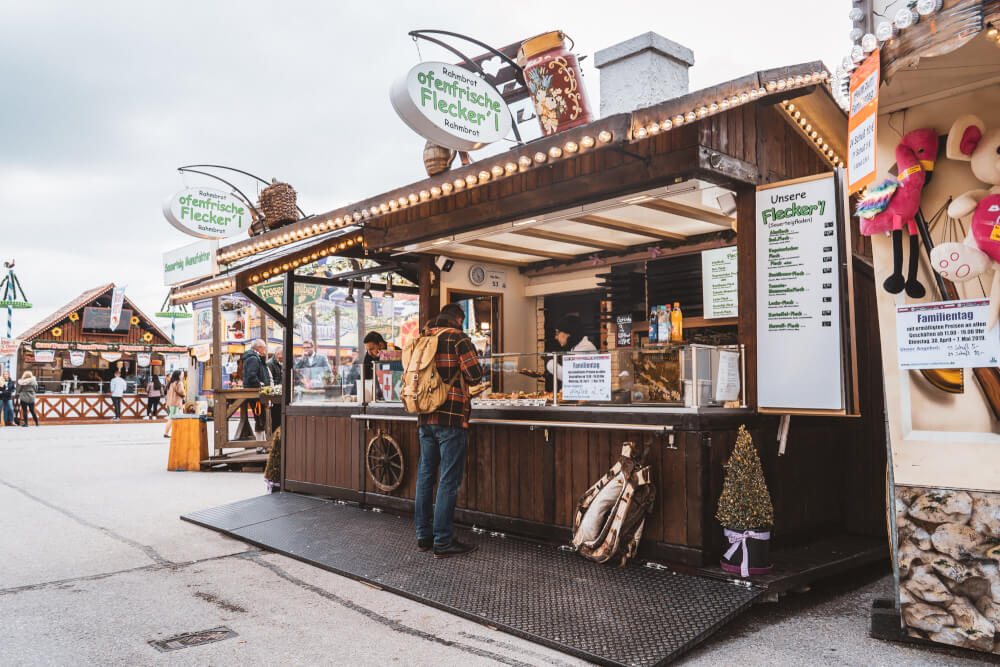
(424, 195)
(604, 136)
(510, 167)
(446, 188)
(905, 17)
(484, 176)
(928, 7)
(587, 141)
(641, 133)
(524, 161)
(555, 152)
(883, 33)
(435, 191)
(470, 179)
(497, 171)
(459, 184)
(540, 157)
(571, 147)
(666, 125)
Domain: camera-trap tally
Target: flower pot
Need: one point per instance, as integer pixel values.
(748, 552)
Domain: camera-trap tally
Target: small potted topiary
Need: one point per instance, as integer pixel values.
(745, 511)
(272, 471)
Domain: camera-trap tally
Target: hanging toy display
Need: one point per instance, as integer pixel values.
(893, 203)
(969, 140)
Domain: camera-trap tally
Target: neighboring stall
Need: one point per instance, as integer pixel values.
(604, 221)
(75, 352)
(938, 68)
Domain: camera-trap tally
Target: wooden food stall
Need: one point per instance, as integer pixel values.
(74, 353)
(603, 222)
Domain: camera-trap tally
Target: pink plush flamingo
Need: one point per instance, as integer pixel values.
(896, 201)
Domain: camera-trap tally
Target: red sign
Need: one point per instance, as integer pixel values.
(8, 347)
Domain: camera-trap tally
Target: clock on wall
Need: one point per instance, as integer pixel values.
(477, 274)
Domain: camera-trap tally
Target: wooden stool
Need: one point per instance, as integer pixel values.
(188, 444)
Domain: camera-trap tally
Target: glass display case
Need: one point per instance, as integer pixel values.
(680, 376)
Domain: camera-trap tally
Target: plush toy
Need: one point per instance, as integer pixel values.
(970, 141)
(895, 201)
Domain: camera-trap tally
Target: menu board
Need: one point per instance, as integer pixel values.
(718, 282)
(623, 330)
(799, 352)
(586, 377)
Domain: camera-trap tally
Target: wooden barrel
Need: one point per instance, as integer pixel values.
(188, 445)
(437, 159)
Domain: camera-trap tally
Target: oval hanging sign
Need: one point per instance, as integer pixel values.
(450, 106)
(207, 213)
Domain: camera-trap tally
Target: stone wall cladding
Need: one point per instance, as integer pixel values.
(949, 580)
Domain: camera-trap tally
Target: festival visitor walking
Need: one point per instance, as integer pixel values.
(26, 388)
(7, 389)
(154, 390)
(175, 400)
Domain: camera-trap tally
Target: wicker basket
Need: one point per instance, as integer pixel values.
(277, 203)
(437, 159)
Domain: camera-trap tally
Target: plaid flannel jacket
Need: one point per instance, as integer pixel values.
(455, 354)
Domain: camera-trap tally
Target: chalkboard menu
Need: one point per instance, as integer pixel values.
(623, 329)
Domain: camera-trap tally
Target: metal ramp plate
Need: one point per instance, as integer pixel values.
(614, 616)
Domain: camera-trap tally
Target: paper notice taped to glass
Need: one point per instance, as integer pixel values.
(727, 378)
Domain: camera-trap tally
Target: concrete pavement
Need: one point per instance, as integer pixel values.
(94, 563)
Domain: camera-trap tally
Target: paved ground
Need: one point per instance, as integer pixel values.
(94, 563)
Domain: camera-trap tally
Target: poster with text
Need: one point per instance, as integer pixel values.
(799, 352)
(947, 334)
(586, 377)
(718, 282)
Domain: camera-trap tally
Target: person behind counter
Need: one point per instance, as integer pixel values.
(569, 336)
(274, 366)
(311, 368)
(444, 438)
(375, 343)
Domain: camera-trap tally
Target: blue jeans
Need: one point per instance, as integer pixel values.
(8, 411)
(444, 447)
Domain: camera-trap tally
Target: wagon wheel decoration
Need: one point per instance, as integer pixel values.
(384, 460)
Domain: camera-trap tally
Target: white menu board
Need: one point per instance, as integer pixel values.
(799, 352)
(718, 282)
(586, 377)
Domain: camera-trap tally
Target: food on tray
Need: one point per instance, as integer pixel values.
(531, 373)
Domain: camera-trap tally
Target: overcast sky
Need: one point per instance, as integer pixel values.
(103, 100)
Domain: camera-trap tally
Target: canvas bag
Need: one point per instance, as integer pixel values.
(611, 515)
(423, 389)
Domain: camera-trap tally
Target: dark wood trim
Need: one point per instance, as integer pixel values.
(430, 289)
(746, 243)
(559, 237)
(286, 368)
(471, 257)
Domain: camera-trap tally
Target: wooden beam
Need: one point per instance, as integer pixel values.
(472, 257)
(560, 237)
(685, 211)
(267, 310)
(623, 226)
(504, 247)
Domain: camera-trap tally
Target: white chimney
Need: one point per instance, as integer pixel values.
(641, 72)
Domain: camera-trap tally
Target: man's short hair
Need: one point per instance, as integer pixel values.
(374, 337)
(308, 341)
(453, 313)
(258, 342)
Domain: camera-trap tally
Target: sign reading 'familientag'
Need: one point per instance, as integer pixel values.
(947, 334)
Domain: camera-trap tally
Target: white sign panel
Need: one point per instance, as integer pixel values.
(718, 282)
(196, 260)
(586, 377)
(948, 334)
(117, 300)
(727, 377)
(207, 213)
(44, 356)
(496, 279)
(799, 350)
(77, 357)
(450, 106)
(861, 151)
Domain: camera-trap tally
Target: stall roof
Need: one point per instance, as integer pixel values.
(81, 301)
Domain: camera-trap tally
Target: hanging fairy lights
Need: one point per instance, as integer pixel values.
(813, 135)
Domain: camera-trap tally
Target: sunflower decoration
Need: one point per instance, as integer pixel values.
(135, 321)
(57, 332)
(147, 337)
(74, 317)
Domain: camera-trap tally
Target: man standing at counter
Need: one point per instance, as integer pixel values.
(444, 437)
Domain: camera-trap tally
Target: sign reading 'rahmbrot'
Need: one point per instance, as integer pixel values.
(450, 106)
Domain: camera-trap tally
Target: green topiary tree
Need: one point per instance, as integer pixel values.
(745, 503)
(272, 471)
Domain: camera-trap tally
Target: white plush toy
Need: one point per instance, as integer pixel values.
(970, 141)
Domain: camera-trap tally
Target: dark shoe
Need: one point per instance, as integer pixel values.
(425, 543)
(456, 548)
(165, 435)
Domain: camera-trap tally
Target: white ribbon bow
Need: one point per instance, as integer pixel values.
(737, 540)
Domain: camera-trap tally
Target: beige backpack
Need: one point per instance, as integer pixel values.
(423, 389)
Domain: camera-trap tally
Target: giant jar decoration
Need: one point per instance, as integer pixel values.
(552, 75)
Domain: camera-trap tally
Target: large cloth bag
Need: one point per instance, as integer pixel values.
(611, 515)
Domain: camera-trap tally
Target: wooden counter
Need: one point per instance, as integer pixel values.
(526, 468)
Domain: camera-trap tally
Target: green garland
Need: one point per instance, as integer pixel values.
(745, 503)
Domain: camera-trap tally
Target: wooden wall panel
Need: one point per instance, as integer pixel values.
(322, 450)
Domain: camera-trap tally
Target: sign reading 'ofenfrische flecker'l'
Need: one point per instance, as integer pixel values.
(207, 213)
(450, 106)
